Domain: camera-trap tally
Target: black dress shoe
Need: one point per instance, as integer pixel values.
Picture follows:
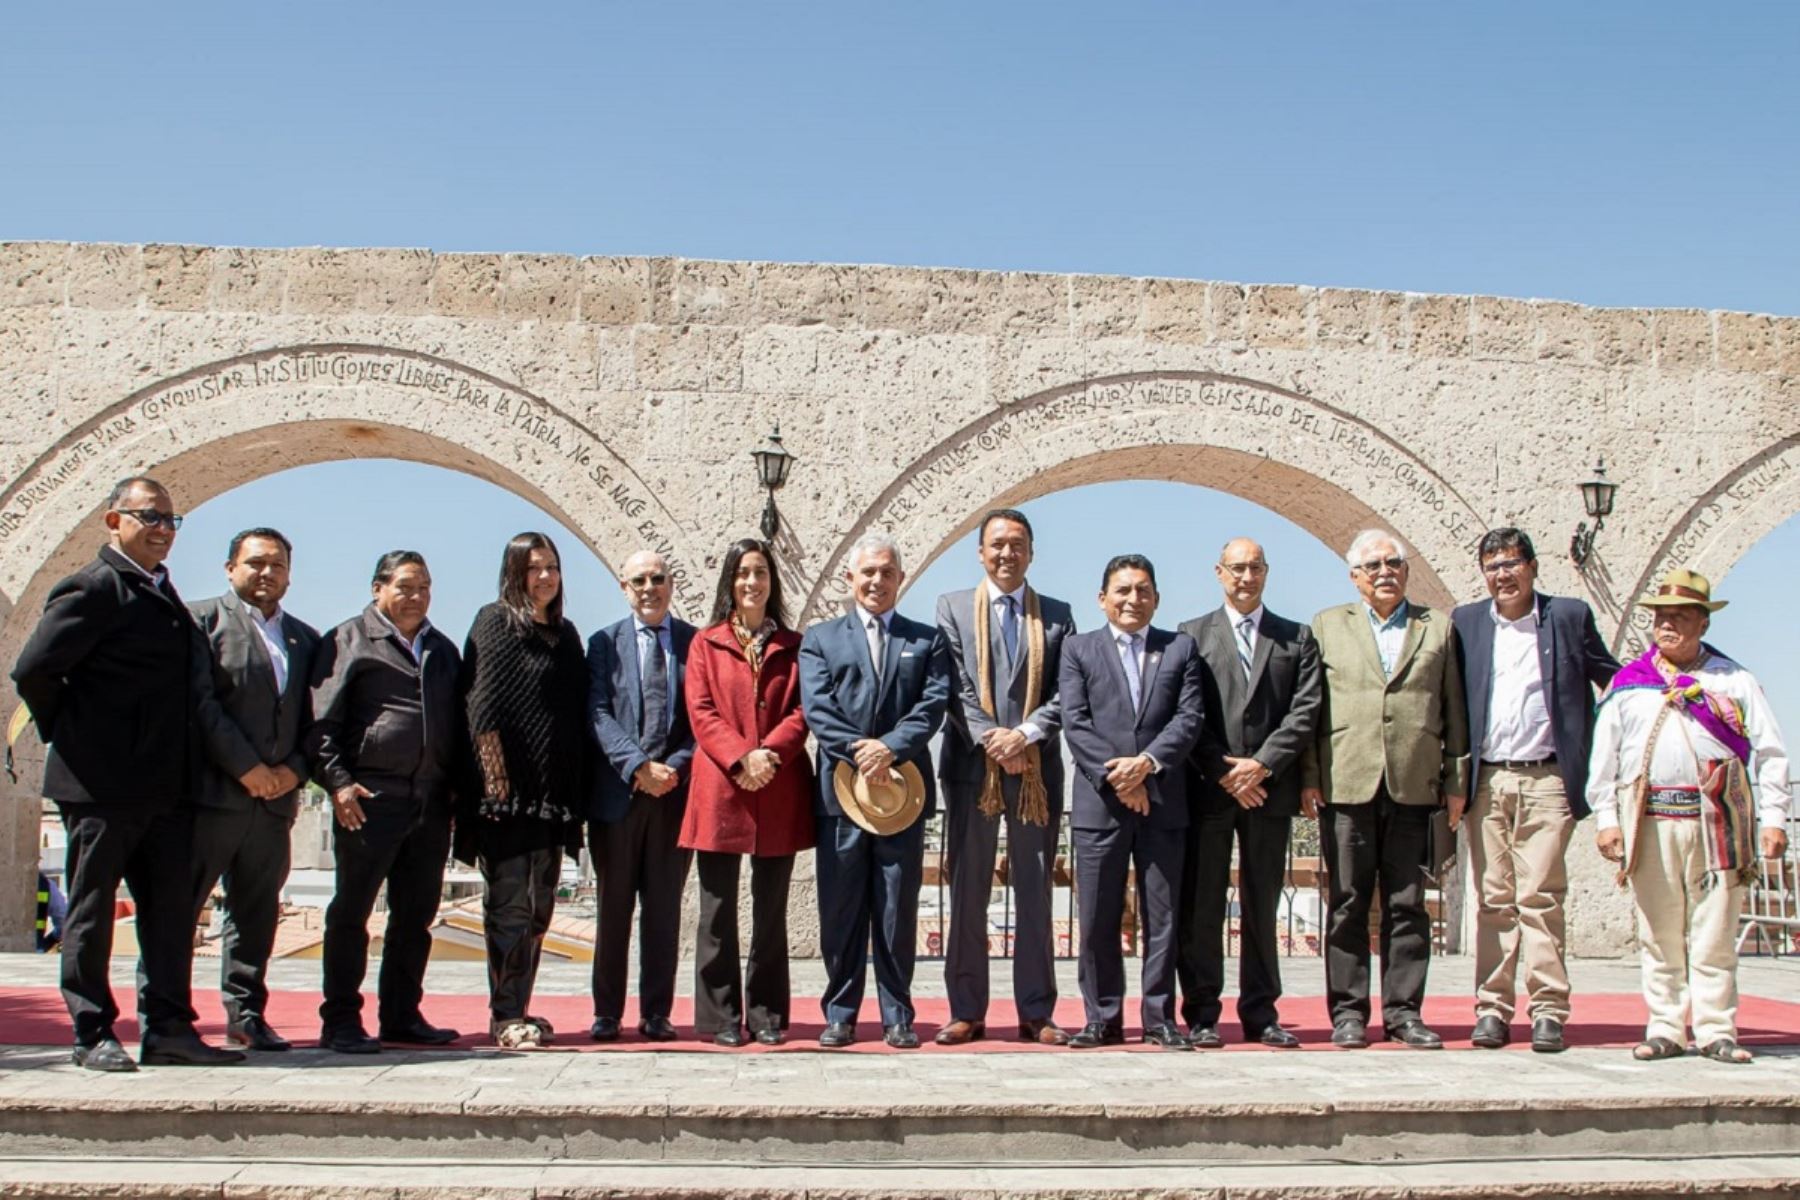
(1097, 1033)
(1417, 1034)
(1204, 1037)
(254, 1033)
(1490, 1033)
(729, 1036)
(770, 1037)
(1276, 1036)
(104, 1055)
(184, 1049)
(1350, 1034)
(901, 1036)
(348, 1039)
(419, 1032)
(604, 1029)
(837, 1035)
(1167, 1036)
(1547, 1036)
(658, 1029)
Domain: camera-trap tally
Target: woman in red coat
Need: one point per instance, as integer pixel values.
(750, 793)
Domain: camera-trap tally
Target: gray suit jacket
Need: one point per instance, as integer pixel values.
(1271, 717)
(249, 722)
(962, 761)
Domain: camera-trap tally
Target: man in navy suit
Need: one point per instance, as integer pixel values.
(1132, 711)
(1530, 664)
(646, 747)
(874, 686)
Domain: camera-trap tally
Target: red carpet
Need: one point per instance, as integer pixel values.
(36, 1016)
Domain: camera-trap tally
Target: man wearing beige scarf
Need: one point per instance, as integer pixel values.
(1002, 759)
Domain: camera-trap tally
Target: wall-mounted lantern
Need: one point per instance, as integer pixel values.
(1597, 497)
(772, 464)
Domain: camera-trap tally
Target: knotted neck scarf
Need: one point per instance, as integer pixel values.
(1034, 800)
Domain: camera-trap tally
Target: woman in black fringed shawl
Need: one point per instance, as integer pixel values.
(525, 686)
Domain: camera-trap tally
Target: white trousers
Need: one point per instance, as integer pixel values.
(1688, 934)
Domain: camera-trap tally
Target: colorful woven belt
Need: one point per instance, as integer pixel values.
(1676, 804)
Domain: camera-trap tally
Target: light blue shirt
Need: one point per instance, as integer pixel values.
(416, 647)
(666, 642)
(1390, 635)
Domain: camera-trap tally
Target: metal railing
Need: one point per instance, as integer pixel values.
(1770, 922)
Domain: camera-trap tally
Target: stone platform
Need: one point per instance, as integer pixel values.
(807, 1123)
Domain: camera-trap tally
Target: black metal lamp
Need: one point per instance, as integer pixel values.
(1597, 497)
(772, 463)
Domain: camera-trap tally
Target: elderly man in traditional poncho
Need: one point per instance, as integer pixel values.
(1688, 762)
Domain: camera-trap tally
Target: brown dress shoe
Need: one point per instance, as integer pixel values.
(957, 1033)
(1044, 1032)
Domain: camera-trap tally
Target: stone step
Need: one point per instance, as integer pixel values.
(189, 1178)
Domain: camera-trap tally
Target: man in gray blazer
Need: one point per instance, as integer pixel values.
(1263, 689)
(639, 717)
(261, 705)
(1002, 755)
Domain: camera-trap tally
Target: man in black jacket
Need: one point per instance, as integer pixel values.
(114, 675)
(1263, 688)
(261, 669)
(385, 743)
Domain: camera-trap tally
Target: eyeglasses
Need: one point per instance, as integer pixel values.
(647, 581)
(1502, 566)
(1374, 565)
(1249, 568)
(150, 518)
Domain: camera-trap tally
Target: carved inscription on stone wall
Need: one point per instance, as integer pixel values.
(1737, 498)
(1227, 404)
(510, 411)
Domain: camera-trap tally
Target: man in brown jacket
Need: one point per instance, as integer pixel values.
(1392, 745)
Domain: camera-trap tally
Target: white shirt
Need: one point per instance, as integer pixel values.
(1518, 727)
(158, 576)
(1624, 726)
(1237, 619)
(997, 603)
(270, 629)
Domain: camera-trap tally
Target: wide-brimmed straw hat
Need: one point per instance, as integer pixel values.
(883, 806)
(1683, 587)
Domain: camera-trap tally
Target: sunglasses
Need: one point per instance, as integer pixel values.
(149, 518)
(1374, 565)
(647, 581)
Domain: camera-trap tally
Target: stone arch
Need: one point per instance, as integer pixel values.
(224, 423)
(1748, 503)
(1329, 471)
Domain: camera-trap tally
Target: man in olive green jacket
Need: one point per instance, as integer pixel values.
(1392, 745)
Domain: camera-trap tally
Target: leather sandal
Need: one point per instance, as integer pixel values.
(1726, 1051)
(1654, 1048)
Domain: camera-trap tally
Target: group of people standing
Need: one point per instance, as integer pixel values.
(178, 741)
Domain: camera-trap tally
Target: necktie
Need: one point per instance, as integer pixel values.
(877, 643)
(1128, 643)
(1009, 628)
(1244, 650)
(654, 727)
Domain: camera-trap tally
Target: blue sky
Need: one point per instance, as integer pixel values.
(1609, 153)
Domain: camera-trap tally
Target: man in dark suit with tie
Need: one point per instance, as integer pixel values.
(1002, 756)
(874, 686)
(1263, 689)
(1131, 697)
(114, 675)
(1530, 665)
(636, 710)
(261, 667)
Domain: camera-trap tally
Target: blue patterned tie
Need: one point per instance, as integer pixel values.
(1009, 628)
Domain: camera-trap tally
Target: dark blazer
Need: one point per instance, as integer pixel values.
(1574, 661)
(246, 722)
(615, 704)
(382, 720)
(112, 675)
(1099, 724)
(961, 759)
(1270, 718)
(843, 703)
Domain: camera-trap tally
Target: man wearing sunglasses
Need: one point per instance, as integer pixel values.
(114, 676)
(1392, 744)
(1531, 664)
(636, 709)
